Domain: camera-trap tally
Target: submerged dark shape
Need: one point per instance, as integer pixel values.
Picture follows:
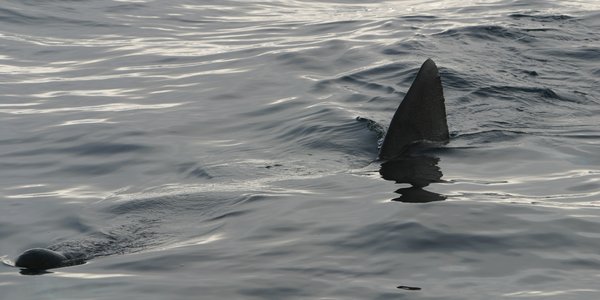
(409, 288)
(43, 259)
(421, 117)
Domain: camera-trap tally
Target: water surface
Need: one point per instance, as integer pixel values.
(226, 149)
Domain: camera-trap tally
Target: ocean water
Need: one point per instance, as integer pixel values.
(227, 149)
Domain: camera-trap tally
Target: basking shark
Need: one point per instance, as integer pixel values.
(419, 120)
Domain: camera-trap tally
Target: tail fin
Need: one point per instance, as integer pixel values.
(420, 117)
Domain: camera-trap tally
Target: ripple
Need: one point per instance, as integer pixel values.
(537, 293)
(76, 275)
(30, 70)
(113, 107)
(79, 192)
(86, 121)
(489, 33)
(86, 93)
(541, 18)
(191, 242)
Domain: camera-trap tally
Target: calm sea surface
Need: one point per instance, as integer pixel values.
(226, 149)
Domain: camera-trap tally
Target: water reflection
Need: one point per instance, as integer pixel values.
(418, 171)
(33, 272)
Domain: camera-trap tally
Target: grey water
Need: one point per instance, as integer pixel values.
(227, 149)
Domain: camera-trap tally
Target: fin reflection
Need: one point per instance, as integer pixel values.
(418, 171)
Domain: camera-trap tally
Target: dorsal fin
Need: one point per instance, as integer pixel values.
(420, 117)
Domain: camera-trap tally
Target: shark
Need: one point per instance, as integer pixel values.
(420, 120)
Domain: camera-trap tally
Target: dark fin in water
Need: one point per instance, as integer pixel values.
(421, 117)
